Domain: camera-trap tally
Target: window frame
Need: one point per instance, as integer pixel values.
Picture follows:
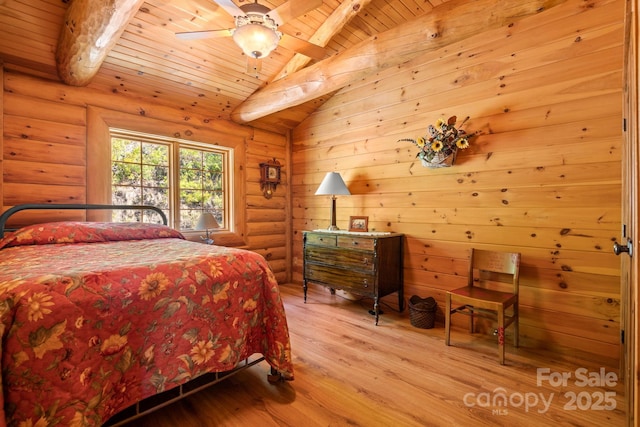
(99, 124)
(174, 146)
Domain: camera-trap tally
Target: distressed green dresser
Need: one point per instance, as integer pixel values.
(365, 264)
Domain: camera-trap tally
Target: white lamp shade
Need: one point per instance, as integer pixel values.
(207, 221)
(256, 40)
(332, 184)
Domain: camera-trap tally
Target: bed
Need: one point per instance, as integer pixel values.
(99, 319)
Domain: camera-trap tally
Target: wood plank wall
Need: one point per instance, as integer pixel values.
(542, 178)
(45, 144)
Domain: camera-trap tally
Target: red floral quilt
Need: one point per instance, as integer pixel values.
(97, 316)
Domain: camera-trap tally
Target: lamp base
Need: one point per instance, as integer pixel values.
(333, 228)
(206, 240)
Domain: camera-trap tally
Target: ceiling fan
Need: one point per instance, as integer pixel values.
(256, 31)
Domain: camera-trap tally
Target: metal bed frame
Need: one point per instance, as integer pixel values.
(53, 206)
(168, 397)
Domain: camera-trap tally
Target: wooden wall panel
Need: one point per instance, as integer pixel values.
(542, 177)
(2, 97)
(268, 220)
(51, 154)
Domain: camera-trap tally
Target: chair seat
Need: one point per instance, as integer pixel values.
(486, 295)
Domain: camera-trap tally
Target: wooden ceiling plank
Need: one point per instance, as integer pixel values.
(407, 12)
(225, 62)
(185, 16)
(29, 49)
(332, 26)
(178, 77)
(30, 11)
(113, 80)
(39, 31)
(387, 49)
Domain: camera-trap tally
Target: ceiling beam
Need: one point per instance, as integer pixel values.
(340, 17)
(91, 28)
(445, 24)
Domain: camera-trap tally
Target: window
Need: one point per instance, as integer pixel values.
(183, 178)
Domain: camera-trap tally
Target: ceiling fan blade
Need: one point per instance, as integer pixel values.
(292, 9)
(206, 34)
(230, 7)
(304, 47)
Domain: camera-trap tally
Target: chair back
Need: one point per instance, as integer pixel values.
(492, 269)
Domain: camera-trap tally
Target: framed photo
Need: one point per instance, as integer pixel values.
(358, 223)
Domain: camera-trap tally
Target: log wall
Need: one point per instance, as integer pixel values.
(52, 148)
(541, 178)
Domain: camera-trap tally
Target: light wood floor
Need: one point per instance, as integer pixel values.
(350, 372)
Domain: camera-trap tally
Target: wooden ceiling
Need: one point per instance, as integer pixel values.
(149, 60)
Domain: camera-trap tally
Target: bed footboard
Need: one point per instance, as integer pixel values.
(153, 403)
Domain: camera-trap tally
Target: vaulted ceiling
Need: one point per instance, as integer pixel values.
(134, 47)
(149, 60)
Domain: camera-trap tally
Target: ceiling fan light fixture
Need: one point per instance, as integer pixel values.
(256, 40)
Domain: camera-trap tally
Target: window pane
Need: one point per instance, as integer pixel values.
(124, 150)
(189, 218)
(190, 158)
(190, 178)
(124, 195)
(190, 199)
(212, 181)
(158, 197)
(213, 162)
(142, 174)
(155, 154)
(125, 174)
(155, 176)
(211, 200)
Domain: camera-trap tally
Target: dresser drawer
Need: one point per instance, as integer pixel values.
(349, 280)
(321, 239)
(343, 258)
(356, 243)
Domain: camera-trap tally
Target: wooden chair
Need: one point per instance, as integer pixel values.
(487, 294)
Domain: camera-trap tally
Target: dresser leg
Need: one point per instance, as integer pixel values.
(304, 289)
(376, 309)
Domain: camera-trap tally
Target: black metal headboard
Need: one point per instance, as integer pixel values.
(49, 206)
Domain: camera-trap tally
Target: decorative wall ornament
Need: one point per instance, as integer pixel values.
(269, 177)
(439, 148)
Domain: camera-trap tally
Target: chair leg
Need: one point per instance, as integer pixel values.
(501, 335)
(447, 318)
(516, 325)
(471, 328)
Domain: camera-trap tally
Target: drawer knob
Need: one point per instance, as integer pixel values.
(365, 261)
(355, 243)
(365, 283)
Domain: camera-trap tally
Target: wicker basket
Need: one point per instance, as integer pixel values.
(422, 311)
(440, 160)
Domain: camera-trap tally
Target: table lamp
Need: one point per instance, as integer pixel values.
(206, 222)
(333, 185)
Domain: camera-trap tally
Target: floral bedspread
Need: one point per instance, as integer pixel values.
(96, 316)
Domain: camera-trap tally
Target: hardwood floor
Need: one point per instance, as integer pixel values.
(350, 372)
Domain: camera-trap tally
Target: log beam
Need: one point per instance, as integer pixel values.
(91, 28)
(344, 13)
(445, 24)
